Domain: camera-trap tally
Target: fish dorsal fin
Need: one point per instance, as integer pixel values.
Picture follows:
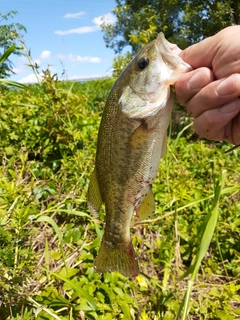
(94, 197)
(147, 207)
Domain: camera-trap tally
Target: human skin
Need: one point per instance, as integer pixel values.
(211, 91)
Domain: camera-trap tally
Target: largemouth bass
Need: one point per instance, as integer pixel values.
(131, 140)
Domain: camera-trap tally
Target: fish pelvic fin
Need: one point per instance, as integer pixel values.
(94, 198)
(121, 258)
(147, 207)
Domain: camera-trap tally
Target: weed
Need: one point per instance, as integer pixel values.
(48, 239)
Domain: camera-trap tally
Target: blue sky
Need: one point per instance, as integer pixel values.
(62, 34)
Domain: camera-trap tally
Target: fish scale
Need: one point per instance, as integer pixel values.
(131, 141)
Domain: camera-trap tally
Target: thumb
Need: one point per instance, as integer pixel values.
(201, 54)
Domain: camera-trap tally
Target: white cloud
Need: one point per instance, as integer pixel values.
(45, 54)
(107, 18)
(77, 58)
(31, 78)
(74, 15)
(77, 30)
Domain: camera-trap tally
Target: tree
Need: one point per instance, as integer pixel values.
(202, 19)
(9, 34)
(183, 22)
(139, 21)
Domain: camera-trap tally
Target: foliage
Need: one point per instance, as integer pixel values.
(182, 22)
(48, 121)
(3, 59)
(119, 63)
(139, 22)
(208, 17)
(10, 34)
(48, 239)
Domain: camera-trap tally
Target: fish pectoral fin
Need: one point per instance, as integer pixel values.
(147, 207)
(94, 197)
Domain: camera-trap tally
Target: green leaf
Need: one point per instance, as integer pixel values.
(11, 83)
(57, 231)
(8, 52)
(77, 288)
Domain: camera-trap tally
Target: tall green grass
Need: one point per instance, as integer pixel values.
(188, 252)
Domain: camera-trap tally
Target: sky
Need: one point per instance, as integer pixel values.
(63, 35)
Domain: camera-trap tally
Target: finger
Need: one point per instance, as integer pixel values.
(227, 58)
(203, 53)
(191, 83)
(213, 123)
(214, 95)
(200, 54)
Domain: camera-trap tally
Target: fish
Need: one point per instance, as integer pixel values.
(132, 138)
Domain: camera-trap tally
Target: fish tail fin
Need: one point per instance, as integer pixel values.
(119, 258)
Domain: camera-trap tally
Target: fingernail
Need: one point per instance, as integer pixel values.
(231, 107)
(227, 86)
(197, 81)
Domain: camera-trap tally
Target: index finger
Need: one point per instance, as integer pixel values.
(203, 53)
(200, 54)
(214, 95)
(191, 83)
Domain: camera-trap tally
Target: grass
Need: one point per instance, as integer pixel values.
(207, 231)
(189, 252)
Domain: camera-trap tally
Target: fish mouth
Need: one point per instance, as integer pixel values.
(166, 62)
(172, 65)
(170, 54)
(166, 70)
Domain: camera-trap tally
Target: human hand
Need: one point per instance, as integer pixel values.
(211, 92)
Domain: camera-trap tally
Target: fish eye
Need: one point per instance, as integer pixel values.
(143, 62)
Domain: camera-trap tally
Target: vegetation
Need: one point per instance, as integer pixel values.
(48, 239)
(9, 36)
(183, 22)
(189, 252)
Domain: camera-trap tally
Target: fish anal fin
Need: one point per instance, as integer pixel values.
(147, 207)
(119, 257)
(94, 197)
